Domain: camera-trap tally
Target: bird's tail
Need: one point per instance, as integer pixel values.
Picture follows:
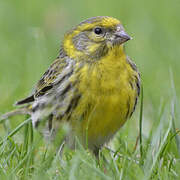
(23, 110)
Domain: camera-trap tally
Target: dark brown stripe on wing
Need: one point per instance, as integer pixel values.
(134, 106)
(138, 84)
(43, 91)
(26, 100)
(128, 108)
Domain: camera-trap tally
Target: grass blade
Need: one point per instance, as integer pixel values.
(15, 130)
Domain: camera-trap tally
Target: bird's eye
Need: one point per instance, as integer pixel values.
(98, 30)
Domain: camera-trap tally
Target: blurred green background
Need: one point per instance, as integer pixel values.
(30, 36)
(31, 33)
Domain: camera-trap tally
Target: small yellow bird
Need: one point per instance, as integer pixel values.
(92, 85)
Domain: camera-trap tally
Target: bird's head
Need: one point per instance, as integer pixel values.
(94, 37)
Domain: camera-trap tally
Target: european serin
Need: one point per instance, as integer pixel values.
(92, 85)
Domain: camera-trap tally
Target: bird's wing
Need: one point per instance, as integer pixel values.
(138, 78)
(47, 81)
(137, 81)
(54, 94)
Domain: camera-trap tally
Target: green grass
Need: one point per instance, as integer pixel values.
(156, 158)
(30, 36)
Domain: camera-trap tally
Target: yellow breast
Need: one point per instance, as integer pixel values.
(108, 97)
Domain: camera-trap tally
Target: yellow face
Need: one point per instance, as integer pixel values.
(93, 38)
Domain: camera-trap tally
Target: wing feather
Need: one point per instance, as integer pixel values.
(47, 81)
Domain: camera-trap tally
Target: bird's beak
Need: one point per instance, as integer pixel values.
(122, 36)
